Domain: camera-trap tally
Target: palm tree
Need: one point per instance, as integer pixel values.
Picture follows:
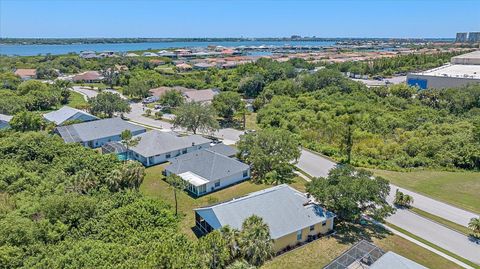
(402, 199)
(177, 183)
(231, 235)
(474, 225)
(255, 243)
(128, 141)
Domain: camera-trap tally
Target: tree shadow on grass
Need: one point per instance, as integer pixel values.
(349, 233)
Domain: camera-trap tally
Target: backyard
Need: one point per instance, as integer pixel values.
(314, 255)
(457, 188)
(321, 252)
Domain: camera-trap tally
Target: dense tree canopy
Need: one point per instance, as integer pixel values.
(107, 104)
(271, 154)
(195, 117)
(66, 206)
(350, 193)
(393, 127)
(227, 104)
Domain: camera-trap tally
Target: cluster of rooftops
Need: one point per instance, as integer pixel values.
(293, 217)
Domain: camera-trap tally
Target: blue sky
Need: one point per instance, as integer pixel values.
(141, 18)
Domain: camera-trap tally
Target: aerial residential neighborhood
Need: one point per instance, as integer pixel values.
(240, 134)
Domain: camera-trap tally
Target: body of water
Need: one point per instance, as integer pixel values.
(32, 50)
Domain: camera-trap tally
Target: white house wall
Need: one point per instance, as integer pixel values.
(161, 158)
(227, 181)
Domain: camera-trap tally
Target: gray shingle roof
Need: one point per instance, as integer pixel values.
(63, 114)
(281, 207)
(156, 142)
(393, 260)
(207, 164)
(224, 149)
(92, 130)
(200, 95)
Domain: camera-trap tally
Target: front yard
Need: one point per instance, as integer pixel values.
(321, 252)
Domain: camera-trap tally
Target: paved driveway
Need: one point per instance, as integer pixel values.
(86, 92)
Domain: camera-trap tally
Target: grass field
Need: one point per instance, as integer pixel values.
(76, 100)
(457, 188)
(321, 252)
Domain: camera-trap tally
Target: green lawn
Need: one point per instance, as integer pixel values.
(457, 188)
(76, 100)
(251, 121)
(433, 245)
(154, 186)
(321, 252)
(314, 255)
(452, 225)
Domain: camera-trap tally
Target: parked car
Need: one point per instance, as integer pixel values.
(150, 99)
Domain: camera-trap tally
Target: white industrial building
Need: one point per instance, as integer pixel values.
(462, 70)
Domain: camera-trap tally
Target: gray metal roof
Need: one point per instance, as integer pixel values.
(207, 164)
(393, 260)
(156, 142)
(5, 118)
(65, 113)
(224, 149)
(283, 208)
(92, 130)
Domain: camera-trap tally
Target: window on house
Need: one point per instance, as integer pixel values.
(312, 228)
(217, 184)
(299, 235)
(245, 173)
(324, 223)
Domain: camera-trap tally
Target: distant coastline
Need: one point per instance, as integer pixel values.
(77, 41)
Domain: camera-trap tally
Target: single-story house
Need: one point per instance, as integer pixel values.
(160, 91)
(224, 150)
(364, 254)
(203, 66)
(157, 147)
(88, 54)
(5, 121)
(202, 96)
(149, 54)
(183, 66)
(291, 215)
(131, 54)
(206, 171)
(67, 113)
(94, 134)
(26, 74)
(88, 77)
(393, 260)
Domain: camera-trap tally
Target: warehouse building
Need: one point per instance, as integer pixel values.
(463, 70)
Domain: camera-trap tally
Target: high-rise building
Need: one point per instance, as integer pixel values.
(461, 37)
(474, 37)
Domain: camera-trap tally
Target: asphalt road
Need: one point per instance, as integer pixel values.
(443, 210)
(457, 243)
